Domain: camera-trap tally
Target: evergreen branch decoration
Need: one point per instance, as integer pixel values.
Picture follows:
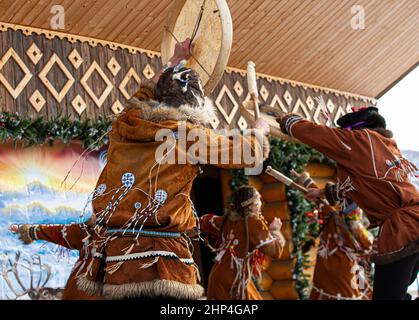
(39, 131)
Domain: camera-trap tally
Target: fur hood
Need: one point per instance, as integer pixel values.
(142, 120)
(159, 112)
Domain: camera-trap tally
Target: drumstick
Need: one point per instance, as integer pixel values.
(252, 87)
(288, 182)
(284, 179)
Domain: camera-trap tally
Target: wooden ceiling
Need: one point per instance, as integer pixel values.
(309, 41)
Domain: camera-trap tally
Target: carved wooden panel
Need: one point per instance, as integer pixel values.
(45, 77)
(51, 73)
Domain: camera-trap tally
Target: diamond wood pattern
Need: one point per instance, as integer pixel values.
(91, 81)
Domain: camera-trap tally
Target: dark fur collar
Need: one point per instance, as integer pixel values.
(159, 112)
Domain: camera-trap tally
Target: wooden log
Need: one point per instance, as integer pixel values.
(266, 263)
(286, 252)
(280, 269)
(266, 295)
(284, 289)
(256, 182)
(321, 182)
(273, 192)
(312, 258)
(266, 178)
(277, 209)
(320, 170)
(265, 281)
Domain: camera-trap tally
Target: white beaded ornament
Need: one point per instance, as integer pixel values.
(128, 179)
(161, 196)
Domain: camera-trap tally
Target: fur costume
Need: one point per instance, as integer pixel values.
(72, 236)
(344, 243)
(372, 172)
(230, 277)
(142, 204)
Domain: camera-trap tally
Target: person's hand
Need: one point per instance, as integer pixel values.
(314, 194)
(183, 51)
(279, 118)
(294, 173)
(261, 124)
(14, 228)
(275, 225)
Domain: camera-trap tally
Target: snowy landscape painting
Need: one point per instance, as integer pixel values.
(32, 191)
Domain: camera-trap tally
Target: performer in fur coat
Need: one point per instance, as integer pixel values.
(142, 206)
(244, 234)
(344, 243)
(372, 172)
(138, 245)
(71, 236)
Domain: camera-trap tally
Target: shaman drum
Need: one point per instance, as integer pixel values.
(208, 23)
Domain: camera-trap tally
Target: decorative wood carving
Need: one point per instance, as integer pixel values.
(75, 59)
(113, 66)
(43, 76)
(83, 81)
(37, 100)
(78, 104)
(15, 92)
(117, 107)
(34, 53)
(130, 74)
(107, 77)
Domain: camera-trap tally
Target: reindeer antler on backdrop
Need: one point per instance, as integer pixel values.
(10, 271)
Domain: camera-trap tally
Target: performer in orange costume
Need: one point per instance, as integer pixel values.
(373, 173)
(344, 243)
(243, 233)
(71, 236)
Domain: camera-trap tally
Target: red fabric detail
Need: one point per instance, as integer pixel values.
(258, 259)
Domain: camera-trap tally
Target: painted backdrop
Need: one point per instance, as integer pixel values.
(32, 191)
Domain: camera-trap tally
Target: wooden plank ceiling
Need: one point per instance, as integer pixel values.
(301, 40)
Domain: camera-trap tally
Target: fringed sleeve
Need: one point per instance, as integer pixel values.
(335, 143)
(70, 236)
(211, 224)
(234, 151)
(270, 243)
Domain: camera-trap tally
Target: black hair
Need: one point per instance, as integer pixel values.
(171, 91)
(241, 195)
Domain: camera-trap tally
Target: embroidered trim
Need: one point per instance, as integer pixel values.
(262, 243)
(249, 201)
(146, 233)
(339, 296)
(148, 254)
(213, 223)
(289, 123)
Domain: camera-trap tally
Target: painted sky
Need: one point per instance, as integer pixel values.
(49, 166)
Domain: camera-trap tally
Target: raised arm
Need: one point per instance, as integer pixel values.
(269, 240)
(67, 235)
(335, 143)
(232, 150)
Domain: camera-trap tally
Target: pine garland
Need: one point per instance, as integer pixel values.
(14, 127)
(284, 156)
